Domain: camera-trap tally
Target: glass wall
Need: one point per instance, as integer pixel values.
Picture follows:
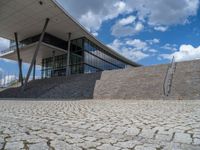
(56, 66)
(99, 59)
(86, 57)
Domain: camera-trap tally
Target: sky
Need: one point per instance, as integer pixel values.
(145, 31)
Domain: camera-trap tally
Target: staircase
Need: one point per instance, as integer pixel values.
(169, 78)
(186, 82)
(72, 87)
(131, 83)
(141, 83)
(147, 82)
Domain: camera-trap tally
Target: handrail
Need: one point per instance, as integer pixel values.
(165, 81)
(169, 78)
(11, 49)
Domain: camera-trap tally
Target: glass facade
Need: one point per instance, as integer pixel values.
(97, 59)
(56, 66)
(85, 57)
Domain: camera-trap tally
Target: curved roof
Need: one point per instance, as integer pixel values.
(27, 17)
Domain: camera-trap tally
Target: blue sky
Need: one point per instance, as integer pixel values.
(145, 31)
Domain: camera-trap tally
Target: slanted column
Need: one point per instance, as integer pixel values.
(36, 52)
(68, 69)
(34, 65)
(19, 59)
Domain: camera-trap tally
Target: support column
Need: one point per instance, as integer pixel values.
(68, 69)
(19, 59)
(36, 52)
(34, 69)
(53, 68)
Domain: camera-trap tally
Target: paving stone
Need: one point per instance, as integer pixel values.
(63, 145)
(147, 133)
(74, 140)
(164, 137)
(132, 131)
(107, 146)
(189, 147)
(140, 147)
(96, 127)
(127, 144)
(1, 140)
(196, 141)
(108, 141)
(1, 145)
(14, 145)
(88, 145)
(183, 138)
(91, 139)
(119, 130)
(196, 135)
(40, 146)
(106, 129)
(111, 124)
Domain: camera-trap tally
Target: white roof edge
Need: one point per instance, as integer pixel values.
(31, 45)
(92, 36)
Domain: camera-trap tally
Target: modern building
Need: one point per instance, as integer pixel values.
(43, 33)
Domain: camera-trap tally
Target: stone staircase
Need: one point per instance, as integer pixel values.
(131, 83)
(141, 83)
(72, 87)
(186, 82)
(145, 83)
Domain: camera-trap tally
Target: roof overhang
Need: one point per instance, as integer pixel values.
(27, 18)
(26, 52)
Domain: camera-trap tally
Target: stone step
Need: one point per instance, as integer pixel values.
(130, 83)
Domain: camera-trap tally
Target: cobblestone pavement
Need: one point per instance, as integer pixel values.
(102, 125)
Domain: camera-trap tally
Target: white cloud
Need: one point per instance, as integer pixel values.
(126, 21)
(126, 27)
(171, 47)
(185, 53)
(95, 33)
(4, 44)
(123, 31)
(91, 21)
(116, 44)
(130, 49)
(139, 27)
(164, 12)
(134, 55)
(92, 14)
(161, 28)
(137, 43)
(159, 14)
(153, 41)
(153, 50)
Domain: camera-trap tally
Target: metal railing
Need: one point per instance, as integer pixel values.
(167, 86)
(11, 49)
(7, 80)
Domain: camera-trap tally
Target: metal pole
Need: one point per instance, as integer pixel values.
(19, 59)
(68, 70)
(36, 52)
(34, 70)
(53, 70)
